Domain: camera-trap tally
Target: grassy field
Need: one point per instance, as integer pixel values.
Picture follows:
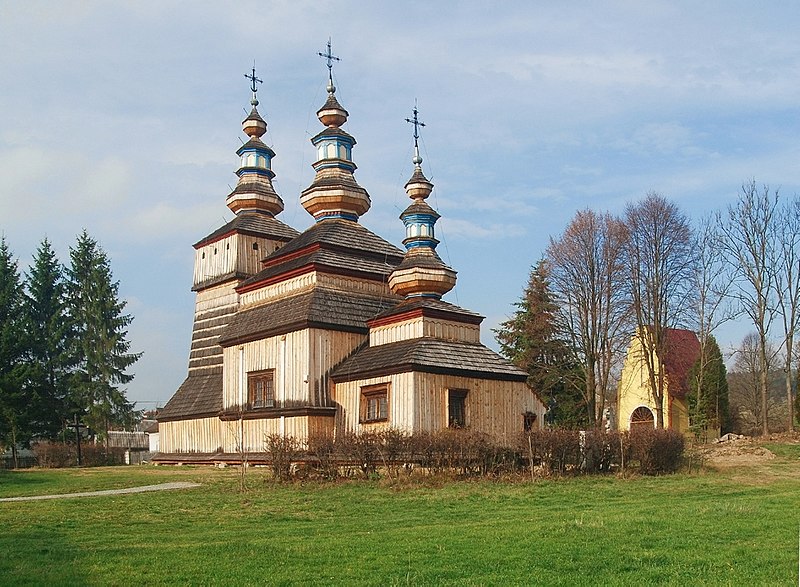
(731, 527)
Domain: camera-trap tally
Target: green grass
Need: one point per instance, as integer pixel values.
(726, 528)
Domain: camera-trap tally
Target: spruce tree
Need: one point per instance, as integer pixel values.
(49, 327)
(14, 404)
(101, 348)
(532, 340)
(709, 406)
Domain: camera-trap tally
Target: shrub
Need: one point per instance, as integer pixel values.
(283, 451)
(657, 451)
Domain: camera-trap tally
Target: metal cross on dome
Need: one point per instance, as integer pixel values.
(417, 123)
(253, 80)
(330, 57)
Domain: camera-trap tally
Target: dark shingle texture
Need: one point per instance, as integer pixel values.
(428, 355)
(255, 224)
(199, 395)
(342, 245)
(319, 308)
(432, 306)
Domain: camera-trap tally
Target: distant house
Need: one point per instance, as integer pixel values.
(151, 429)
(635, 404)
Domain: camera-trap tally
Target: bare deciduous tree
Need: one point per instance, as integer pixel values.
(660, 264)
(747, 239)
(712, 282)
(588, 279)
(745, 384)
(787, 286)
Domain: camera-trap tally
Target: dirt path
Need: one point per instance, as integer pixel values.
(140, 489)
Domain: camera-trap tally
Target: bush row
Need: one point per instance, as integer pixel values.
(469, 454)
(64, 454)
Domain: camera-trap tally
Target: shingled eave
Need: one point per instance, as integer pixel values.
(428, 355)
(246, 223)
(419, 307)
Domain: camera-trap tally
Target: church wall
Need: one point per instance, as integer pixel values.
(256, 431)
(287, 354)
(423, 326)
(215, 259)
(418, 403)
(198, 435)
(400, 403)
(493, 407)
(327, 349)
(248, 259)
(395, 332)
(278, 290)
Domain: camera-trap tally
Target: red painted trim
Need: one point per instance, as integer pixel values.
(395, 318)
(275, 260)
(277, 278)
(202, 244)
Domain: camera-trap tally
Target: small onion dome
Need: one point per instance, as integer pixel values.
(254, 125)
(418, 187)
(422, 274)
(332, 113)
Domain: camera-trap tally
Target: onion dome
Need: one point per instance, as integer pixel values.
(421, 273)
(334, 193)
(254, 191)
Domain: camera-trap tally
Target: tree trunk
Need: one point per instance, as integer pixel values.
(763, 381)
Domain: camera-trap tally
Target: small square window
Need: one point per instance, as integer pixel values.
(375, 403)
(261, 389)
(457, 408)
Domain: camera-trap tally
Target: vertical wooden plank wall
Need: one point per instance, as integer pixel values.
(196, 435)
(287, 354)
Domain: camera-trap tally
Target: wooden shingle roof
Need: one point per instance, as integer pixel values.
(344, 234)
(339, 246)
(431, 307)
(252, 223)
(199, 395)
(428, 355)
(319, 308)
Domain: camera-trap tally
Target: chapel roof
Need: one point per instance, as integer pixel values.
(683, 350)
(428, 355)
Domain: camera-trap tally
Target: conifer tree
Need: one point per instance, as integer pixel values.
(14, 407)
(708, 406)
(531, 340)
(101, 347)
(48, 324)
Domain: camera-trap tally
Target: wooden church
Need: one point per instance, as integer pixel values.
(333, 329)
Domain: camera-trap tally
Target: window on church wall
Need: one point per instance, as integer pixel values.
(423, 229)
(331, 151)
(374, 403)
(261, 389)
(457, 408)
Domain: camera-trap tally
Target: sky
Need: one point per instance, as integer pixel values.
(123, 119)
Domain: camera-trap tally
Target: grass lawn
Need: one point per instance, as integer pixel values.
(733, 527)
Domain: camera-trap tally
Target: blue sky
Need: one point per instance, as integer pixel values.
(124, 118)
